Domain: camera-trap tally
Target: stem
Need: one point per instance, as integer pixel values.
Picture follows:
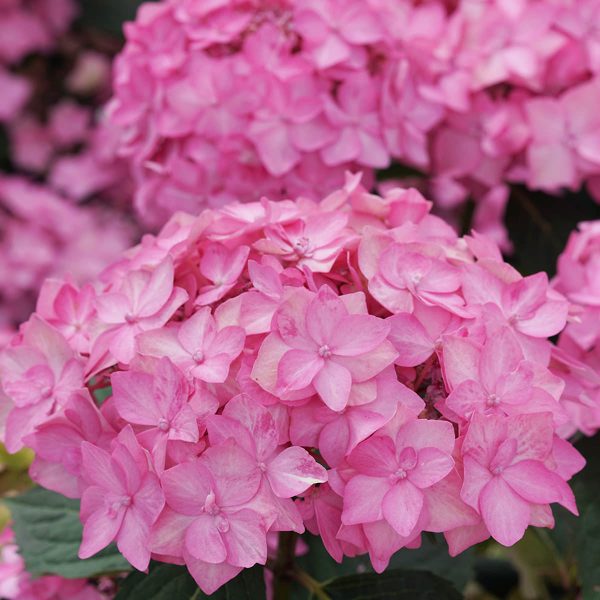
(312, 585)
(283, 565)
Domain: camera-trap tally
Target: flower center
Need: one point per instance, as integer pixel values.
(210, 505)
(130, 318)
(324, 351)
(400, 474)
(492, 401)
(116, 506)
(301, 246)
(163, 424)
(198, 356)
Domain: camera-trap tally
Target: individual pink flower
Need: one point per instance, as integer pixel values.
(289, 471)
(391, 474)
(15, 93)
(70, 310)
(57, 445)
(197, 346)
(122, 501)
(38, 376)
(145, 300)
(210, 521)
(315, 242)
(493, 379)
(526, 303)
(510, 474)
(158, 403)
(322, 353)
(404, 275)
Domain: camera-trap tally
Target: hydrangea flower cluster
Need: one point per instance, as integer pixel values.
(222, 100)
(577, 358)
(348, 366)
(17, 584)
(56, 156)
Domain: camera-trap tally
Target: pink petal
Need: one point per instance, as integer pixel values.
(535, 483)
(246, 539)
(402, 507)
(375, 456)
(358, 334)
(432, 466)
(333, 383)
(229, 341)
(198, 332)
(133, 394)
(323, 315)
(293, 471)
(297, 369)
(461, 360)
(203, 540)
(466, 398)
(98, 467)
(99, 530)
(410, 339)
(504, 513)
(132, 540)
(363, 497)
(186, 486)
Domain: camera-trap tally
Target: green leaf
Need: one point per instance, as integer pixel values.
(173, 582)
(163, 582)
(433, 556)
(48, 533)
(392, 585)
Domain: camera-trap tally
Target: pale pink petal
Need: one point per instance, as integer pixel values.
(333, 383)
(504, 513)
(432, 466)
(297, 369)
(402, 507)
(293, 471)
(203, 539)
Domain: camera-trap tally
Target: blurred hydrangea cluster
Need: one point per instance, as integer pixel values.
(223, 100)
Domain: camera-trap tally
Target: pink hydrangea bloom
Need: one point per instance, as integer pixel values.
(396, 379)
(122, 500)
(159, 404)
(510, 478)
(38, 376)
(392, 474)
